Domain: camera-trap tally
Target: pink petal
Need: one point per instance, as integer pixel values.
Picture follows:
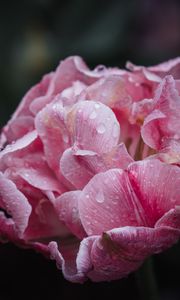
(79, 166)
(39, 103)
(170, 219)
(156, 73)
(108, 201)
(15, 203)
(71, 69)
(36, 91)
(93, 126)
(165, 123)
(51, 128)
(67, 209)
(18, 127)
(41, 178)
(74, 169)
(21, 143)
(44, 224)
(157, 186)
(115, 91)
(121, 251)
(75, 261)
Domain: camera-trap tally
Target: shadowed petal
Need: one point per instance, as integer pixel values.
(15, 203)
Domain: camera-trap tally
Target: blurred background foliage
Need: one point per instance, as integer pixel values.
(34, 36)
(37, 34)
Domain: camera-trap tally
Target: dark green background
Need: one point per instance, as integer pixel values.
(34, 36)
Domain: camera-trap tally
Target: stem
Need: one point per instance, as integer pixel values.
(146, 281)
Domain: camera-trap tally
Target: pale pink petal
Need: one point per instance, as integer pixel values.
(150, 132)
(21, 143)
(108, 201)
(15, 203)
(18, 127)
(39, 103)
(67, 210)
(157, 72)
(69, 70)
(36, 91)
(41, 178)
(70, 95)
(157, 186)
(52, 130)
(79, 166)
(93, 126)
(74, 169)
(115, 91)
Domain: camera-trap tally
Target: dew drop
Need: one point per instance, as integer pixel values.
(87, 196)
(97, 105)
(101, 128)
(99, 197)
(93, 115)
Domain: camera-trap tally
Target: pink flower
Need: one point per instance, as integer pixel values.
(89, 168)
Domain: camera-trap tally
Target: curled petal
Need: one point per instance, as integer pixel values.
(51, 128)
(16, 205)
(156, 73)
(79, 166)
(121, 251)
(163, 122)
(67, 210)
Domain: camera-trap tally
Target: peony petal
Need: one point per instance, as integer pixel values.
(74, 259)
(93, 126)
(74, 169)
(170, 219)
(157, 186)
(67, 210)
(15, 203)
(108, 201)
(19, 127)
(71, 69)
(121, 251)
(41, 178)
(115, 91)
(156, 73)
(167, 124)
(44, 224)
(79, 166)
(21, 143)
(51, 128)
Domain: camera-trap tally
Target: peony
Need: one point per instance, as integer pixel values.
(90, 168)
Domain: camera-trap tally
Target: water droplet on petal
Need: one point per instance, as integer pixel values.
(99, 197)
(93, 115)
(87, 196)
(101, 128)
(97, 105)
